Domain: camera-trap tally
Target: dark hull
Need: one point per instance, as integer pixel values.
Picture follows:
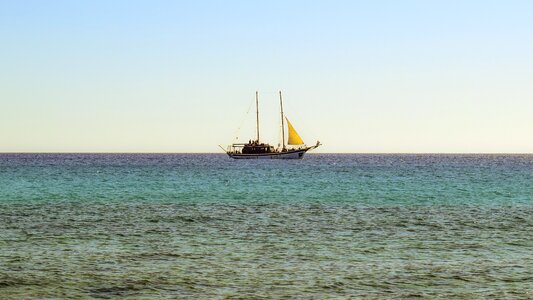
(292, 154)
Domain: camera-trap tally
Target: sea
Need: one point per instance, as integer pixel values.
(204, 226)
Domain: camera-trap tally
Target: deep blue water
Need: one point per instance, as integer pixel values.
(205, 226)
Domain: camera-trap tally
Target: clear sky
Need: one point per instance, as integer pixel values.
(179, 76)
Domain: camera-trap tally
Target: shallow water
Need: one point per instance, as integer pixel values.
(204, 226)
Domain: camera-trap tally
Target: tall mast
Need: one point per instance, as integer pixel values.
(257, 113)
(282, 121)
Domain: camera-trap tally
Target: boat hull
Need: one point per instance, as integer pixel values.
(292, 154)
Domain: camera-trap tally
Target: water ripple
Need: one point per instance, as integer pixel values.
(79, 250)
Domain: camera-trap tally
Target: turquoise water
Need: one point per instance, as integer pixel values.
(146, 226)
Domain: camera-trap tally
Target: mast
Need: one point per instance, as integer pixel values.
(257, 113)
(282, 121)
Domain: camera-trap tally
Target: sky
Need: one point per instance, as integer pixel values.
(180, 76)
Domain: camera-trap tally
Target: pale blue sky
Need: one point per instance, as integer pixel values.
(360, 76)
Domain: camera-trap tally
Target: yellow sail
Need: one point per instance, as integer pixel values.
(294, 138)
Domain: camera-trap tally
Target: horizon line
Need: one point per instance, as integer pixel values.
(311, 153)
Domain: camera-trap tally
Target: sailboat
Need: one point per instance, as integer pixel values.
(293, 148)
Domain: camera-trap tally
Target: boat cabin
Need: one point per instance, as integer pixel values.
(255, 147)
(252, 147)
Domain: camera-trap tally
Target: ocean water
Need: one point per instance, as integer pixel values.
(196, 226)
